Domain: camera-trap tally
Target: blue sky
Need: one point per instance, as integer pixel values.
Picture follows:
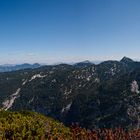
(50, 31)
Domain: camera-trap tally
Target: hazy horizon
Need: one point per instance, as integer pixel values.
(67, 62)
(52, 31)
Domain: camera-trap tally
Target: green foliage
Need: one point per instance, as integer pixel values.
(30, 126)
(27, 125)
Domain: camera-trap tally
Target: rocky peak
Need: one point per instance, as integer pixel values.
(126, 60)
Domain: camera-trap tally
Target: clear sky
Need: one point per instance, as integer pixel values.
(49, 31)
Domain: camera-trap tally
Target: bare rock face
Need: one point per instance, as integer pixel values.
(135, 87)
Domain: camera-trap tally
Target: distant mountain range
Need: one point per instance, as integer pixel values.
(104, 95)
(7, 68)
(10, 67)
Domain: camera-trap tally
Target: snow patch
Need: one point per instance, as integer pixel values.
(93, 69)
(30, 101)
(24, 82)
(67, 92)
(54, 81)
(37, 76)
(89, 78)
(9, 102)
(113, 70)
(67, 108)
(97, 80)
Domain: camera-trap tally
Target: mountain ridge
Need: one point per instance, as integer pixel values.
(96, 96)
(8, 67)
(15, 67)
